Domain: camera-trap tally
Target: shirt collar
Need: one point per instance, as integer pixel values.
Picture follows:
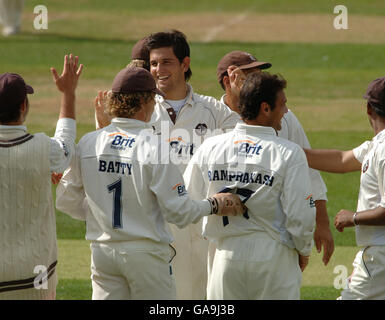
(379, 136)
(131, 122)
(189, 100)
(13, 128)
(252, 129)
(223, 99)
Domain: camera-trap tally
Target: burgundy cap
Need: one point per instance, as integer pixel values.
(134, 79)
(240, 59)
(375, 94)
(13, 89)
(140, 51)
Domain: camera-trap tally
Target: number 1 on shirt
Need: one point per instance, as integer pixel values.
(116, 188)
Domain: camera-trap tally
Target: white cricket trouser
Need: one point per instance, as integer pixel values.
(132, 270)
(368, 278)
(190, 262)
(254, 267)
(10, 13)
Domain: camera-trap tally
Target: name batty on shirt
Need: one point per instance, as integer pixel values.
(115, 167)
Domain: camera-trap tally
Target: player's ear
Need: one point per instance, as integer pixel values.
(369, 109)
(24, 106)
(226, 81)
(265, 108)
(186, 63)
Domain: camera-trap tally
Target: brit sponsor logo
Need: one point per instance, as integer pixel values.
(311, 201)
(181, 147)
(248, 147)
(121, 141)
(180, 188)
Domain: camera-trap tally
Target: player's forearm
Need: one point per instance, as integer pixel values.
(322, 218)
(186, 212)
(331, 160)
(67, 108)
(373, 217)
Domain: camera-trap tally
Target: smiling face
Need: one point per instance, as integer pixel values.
(167, 71)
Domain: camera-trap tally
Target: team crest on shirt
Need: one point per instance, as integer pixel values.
(365, 166)
(201, 129)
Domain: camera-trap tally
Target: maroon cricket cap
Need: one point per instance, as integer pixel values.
(13, 89)
(140, 51)
(375, 94)
(134, 79)
(241, 59)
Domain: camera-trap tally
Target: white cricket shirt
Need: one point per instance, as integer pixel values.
(130, 186)
(293, 131)
(200, 117)
(269, 173)
(372, 190)
(62, 144)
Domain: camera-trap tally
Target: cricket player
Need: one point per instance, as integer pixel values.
(132, 190)
(368, 277)
(28, 250)
(241, 64)
(184, 119)
(259, 255)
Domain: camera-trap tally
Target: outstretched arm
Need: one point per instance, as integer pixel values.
(63, 143)
(372, 217)
(331, 160)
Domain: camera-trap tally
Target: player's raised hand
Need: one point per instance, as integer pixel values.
(102, 118)
(227, 204)
(237, 79)
(68, 80)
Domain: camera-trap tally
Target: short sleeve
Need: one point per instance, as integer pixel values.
(361, 151)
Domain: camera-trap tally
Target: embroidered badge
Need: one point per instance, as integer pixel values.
(201, 129)
(365, 166)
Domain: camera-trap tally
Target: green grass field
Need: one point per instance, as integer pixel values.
(327, 71)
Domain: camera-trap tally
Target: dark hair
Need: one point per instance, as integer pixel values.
(11, 112)
(175, 39)
(377, 108)
(258, 88)
(221, 81)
